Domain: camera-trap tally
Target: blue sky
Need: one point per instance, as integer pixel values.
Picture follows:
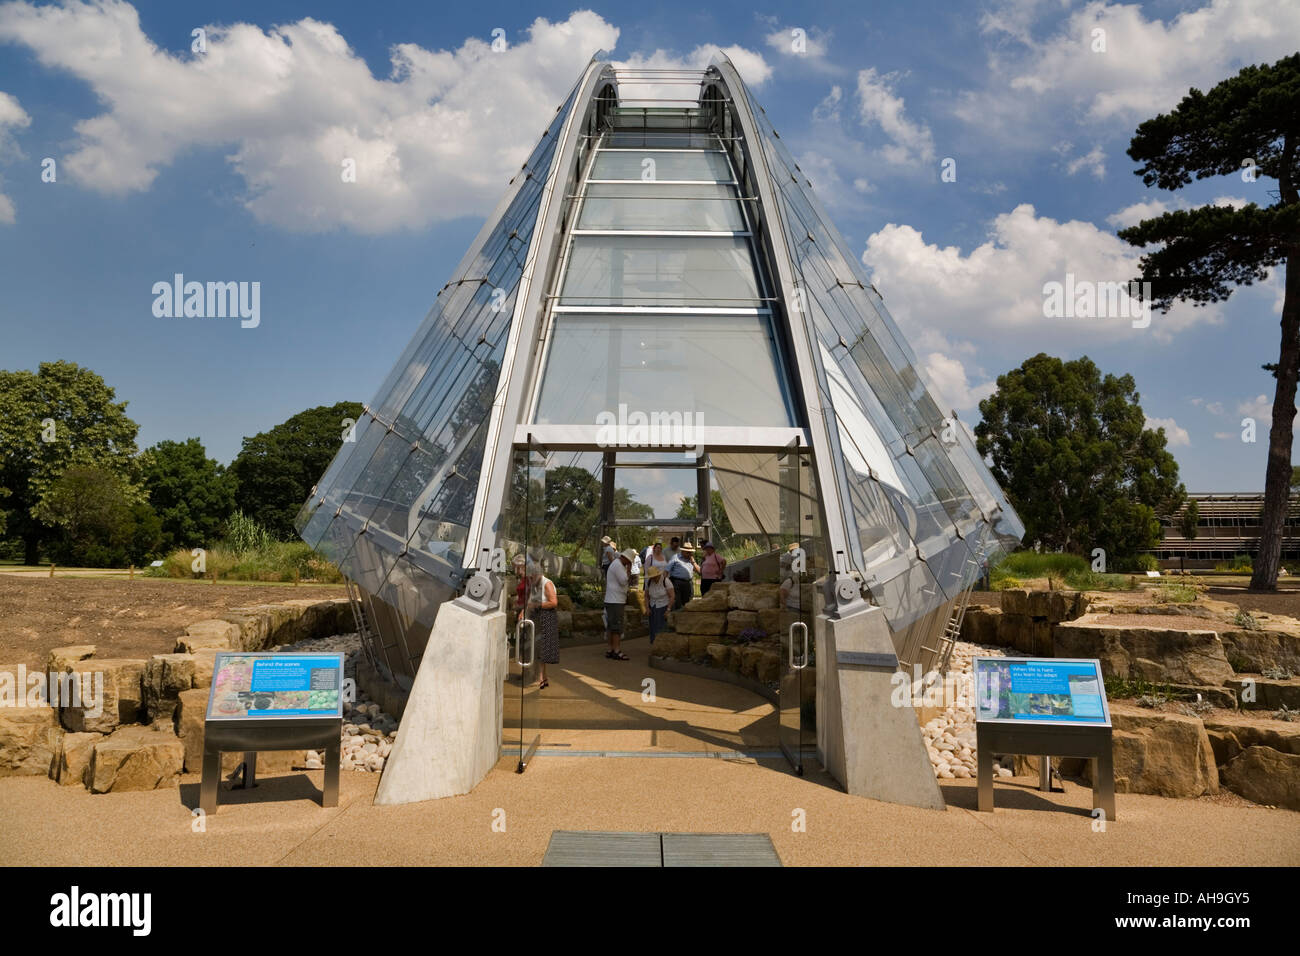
(224, 166)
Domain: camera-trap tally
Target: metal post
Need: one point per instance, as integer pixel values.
(330, 796)
(250, 769)
(1103, 782)
(208, 782)
(984, 778)
(1045, 774)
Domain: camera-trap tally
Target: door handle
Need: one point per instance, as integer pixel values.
(804, 657)
(532, 643)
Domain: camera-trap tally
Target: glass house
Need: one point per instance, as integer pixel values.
(658, 301)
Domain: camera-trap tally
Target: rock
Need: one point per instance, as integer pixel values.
(205, 659)
(1003, 772)
(1015, 601)
(1161, 753)
(120, 681)
(165, 676)
(980, 625)
(1040, 639)
(715, 600)
(1267, 694)
(701, 622)
(564, 621)
(1253, 651)
(739, 621)
(671, 645)
(589, 620)
(135, 758)
(698, 645)
(719, 655)
(26, 748)
(1156, 654)
(770, 620)
(1230, 734)
(60, 657)
(753, 597)
(563, 603)
(1265, 776)
(217, 635)
(73, 761)
(1015, 630)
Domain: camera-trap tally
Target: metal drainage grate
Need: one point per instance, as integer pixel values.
(600, 848)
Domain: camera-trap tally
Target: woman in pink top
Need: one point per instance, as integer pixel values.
(712, 567)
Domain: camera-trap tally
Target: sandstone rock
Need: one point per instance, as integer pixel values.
(25, 746)
(1230, 734)
(671, 645)
(564, 621)
(980, 625)
(1165, 754)
(698, 645)
(73, 760)
(563, 602)
(768, 666)
(589, 620)
(715, 600)
(739, 621)
(1156, 654)
(205, 659)
(1267, 694)
(1015, 601)
(165, 676)
(700, 622)
(1015, 630)
(1253, 651)
(1040, 638)
(220, 635)
(770, 620)
(719, 655)
(60, 657)
(1265, 776)
(753, 597)
(122, 682)
(135, 758)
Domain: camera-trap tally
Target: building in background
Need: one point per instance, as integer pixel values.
(1227, 525)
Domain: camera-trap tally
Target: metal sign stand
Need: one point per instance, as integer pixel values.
(1058, 741)
(250, 736)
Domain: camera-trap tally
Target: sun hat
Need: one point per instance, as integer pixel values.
(605, 540)
(793, 546)
(629, 554)
(687, 546)
(653, 573)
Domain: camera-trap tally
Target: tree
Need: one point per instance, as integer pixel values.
(191, 493)
(100, 522)
(718, 513)
(1251, 120)
(1072, 452)
(59, 416)
(1188, 520)
(276, 470)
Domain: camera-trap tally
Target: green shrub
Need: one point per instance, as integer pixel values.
(1246, 621)
(1137, 564)
(1239, 563)
(1175, 594)
(279, 561)
(244, 534)
(1092, 581)
(1031, 564)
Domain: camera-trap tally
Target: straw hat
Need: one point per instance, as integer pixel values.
(605, 540)
(629, 554)
(687, 546)
(653, 573)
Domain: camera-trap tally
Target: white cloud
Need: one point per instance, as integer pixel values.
(1134, 214)
(909, 142)
(1236, 202)
(1094, 162)
(436, 139)
(1175, 435)
(1149, 65)
(1259, 408)
(751, 66)
(948, 376)
(997, 288)
(1226, 436)
(12, 116)
(1214, 408)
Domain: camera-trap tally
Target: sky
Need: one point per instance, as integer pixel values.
(970, 153)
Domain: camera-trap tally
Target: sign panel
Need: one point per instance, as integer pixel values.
(1040, 691)
(276, 686)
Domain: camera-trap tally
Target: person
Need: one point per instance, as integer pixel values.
(659, 596)
(616, 582)
(655, 558)
(681, 571)
(711, 568)
(607, 553)
(542, 606)
(674, 545)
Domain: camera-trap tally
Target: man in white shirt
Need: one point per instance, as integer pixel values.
(616, 581)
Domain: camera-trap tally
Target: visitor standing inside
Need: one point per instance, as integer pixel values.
(607, 554)
(616, 581)
(681, 571)
(656, 559)
(543, 605)
(712, 567)
(659, 596)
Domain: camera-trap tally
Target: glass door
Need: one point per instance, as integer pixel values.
(524, 669)
(795, 595)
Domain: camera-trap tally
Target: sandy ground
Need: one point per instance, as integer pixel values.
(123, 618)
(594, 706)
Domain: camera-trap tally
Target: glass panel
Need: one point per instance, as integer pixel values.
(665, 270)
(667, 166)
(721, 368)
(645, 206)
(663, 139)
(795, 600)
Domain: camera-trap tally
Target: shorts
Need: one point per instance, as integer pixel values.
(614, 618)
